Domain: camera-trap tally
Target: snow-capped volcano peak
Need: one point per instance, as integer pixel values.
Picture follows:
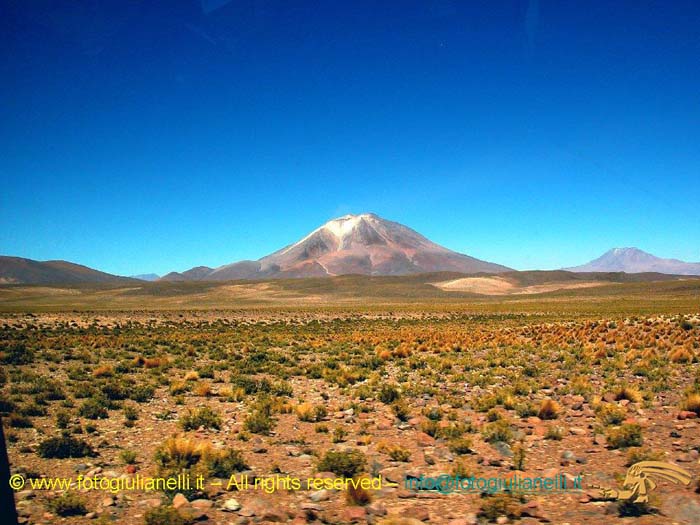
(344, 226)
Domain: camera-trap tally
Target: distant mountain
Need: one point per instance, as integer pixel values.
(634, 260)
(353, 244)
(16, 270)
(194, 274)
(146, 277)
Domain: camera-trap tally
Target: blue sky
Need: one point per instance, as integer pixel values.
(535, 134)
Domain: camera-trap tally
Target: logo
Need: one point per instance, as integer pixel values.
(639, 481)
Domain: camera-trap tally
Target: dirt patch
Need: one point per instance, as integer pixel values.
(501, 286)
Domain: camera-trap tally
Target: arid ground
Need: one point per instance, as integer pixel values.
(375, 379)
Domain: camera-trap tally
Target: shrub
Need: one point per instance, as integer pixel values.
(519, 457)
(339, 435)
(164, 515)
(192, 375)
(128, 457)
(141, 393)
(430, 427)
(498, 431)
(180, 453)
(400, 410)
(203, 389)
(32, 409)
(6, 406)
(64, 447)
(93, 409)
(627, 435)
(526, 410)
(16, 354)
(686, 325)
(204, 417)
(610, 414)
(103, 371)
(388, 394)
(310, 413)
(343, 463)
(179, 387)
(62, 419)
(18, 421)
(549, 409)
(222, 464)
(680, 355)
(130, 413)
(692, 403)
(68, 504)
(434, 414)
(115, 391)
(462, 469)
(358, 496)
(493, 507)
(554, 432)
(637, 454)
(494, 415)
(461, 445)
(259, 422)
(629, 393)
(398, 453)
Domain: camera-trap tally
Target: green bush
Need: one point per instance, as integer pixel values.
(18, 421)
(498, 431)
(225, 464)
(128, 456)
(388, 394)
(62, 419)
(93, 409)
(163, 516)
(68, 504)
(141, 393)
(65, 447)
(259, 422)
(346, 464)
(499, 505)
(400, 454)
(401, 410)
(16, 354)
(461, 445)
(610, 414)
(130, 413)
(627, 435)
(204, 417)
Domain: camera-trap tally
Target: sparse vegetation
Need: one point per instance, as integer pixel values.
(627, 435)
(293, 384)
(347, 464)
(64, 447)
(68, 504)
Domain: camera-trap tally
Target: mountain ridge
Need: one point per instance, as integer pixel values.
(634, 260)
(363, 244)
(19, 270)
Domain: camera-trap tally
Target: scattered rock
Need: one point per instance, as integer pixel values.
(320, 495)
(230, 505)
(179, 500)
(354, 514)
(202, 504)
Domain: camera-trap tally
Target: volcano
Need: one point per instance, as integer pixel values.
(364, 244)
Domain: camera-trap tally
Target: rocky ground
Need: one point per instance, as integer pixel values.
(489, 396)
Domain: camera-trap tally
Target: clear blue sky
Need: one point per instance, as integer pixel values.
(138, 138)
